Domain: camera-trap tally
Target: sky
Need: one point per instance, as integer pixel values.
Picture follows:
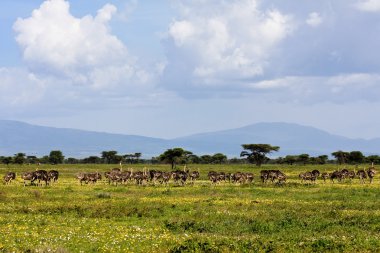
(173, 68)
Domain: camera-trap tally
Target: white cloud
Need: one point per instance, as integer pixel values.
(314, 19)
(368, 5)
(19, 88)
(54, 42)
(220, 42)
(344, 88)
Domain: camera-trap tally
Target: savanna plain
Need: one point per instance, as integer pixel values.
(199, 217)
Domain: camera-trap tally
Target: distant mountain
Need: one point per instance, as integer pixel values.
(292, 139)
(30, 139)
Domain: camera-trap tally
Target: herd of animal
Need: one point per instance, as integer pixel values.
(339, 175)
(181, 177)
(35, 177)
(118, 176)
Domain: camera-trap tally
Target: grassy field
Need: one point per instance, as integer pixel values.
(295, 217)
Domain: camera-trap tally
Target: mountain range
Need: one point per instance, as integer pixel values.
(292, 138)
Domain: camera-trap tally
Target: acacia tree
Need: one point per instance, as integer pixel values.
(175, 155)
(256, 153)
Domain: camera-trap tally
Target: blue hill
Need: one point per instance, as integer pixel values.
(292, 138)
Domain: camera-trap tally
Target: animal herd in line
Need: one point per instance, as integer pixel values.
(181, 177)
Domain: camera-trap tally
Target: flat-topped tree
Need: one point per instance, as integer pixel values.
(256, 153)
(175, 155)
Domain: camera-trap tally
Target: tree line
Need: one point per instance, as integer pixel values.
(251, 153)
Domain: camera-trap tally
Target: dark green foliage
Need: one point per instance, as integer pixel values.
(56, 157)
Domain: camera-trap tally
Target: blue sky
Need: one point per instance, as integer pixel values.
(172, 68)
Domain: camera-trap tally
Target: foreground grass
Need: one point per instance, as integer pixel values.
(67, 217)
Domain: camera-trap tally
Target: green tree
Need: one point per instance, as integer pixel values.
(303, 158)
(19, 158)
(137, 157)
(256, 153)
(373, 159)
(174, 156)
(219, 158)
(194, 159)
(206, 159)
(290, 159)
(109, 156)
(7, 160)
(56, 157)
(132, 158)
(72, 160)
(322, 159)
(92, 159)
(341, 156)
(356, 157)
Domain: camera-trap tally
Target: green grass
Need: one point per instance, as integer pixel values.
(295, 217)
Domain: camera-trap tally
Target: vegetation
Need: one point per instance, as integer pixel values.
(293, 217)
(256, 153)
(56, 157)
(174, 156)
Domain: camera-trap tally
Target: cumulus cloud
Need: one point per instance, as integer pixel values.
(219, 42)
(82, 50)
(368, 5)
(314, 19)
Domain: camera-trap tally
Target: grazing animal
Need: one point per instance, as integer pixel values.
(309, 176)
(371, 173)
(264, 175)
(277, 175)
(166, 177)
(339, 175)
(249, 177)
(42, 175)
(350, 175)
(155, 176)
(179, 177)
(53, 175)
(29, 176)
(82, 177)
(140, 177)
(93, 177)
(114, 176)
(325, 176)
(362, 176)
(9, 177)
(193, 176)
(213, 176)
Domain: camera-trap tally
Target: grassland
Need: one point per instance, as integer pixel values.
(295, 217)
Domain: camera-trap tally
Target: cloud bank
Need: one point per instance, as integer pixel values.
(308, 53)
